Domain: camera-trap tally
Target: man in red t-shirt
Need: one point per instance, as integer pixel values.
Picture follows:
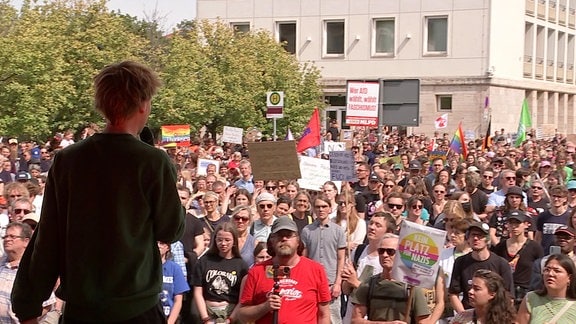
(302, 294)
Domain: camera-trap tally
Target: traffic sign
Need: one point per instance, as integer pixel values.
(275, 104)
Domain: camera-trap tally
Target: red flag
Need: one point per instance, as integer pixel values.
(311, 134)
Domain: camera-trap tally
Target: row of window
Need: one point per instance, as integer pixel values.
(383, 34)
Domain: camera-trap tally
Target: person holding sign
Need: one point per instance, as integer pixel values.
(383, 299)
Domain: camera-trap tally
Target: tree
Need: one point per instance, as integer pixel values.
(215, 77)
(49, 56)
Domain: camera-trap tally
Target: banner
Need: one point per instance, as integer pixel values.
(362, 101)
(179, 134)
(419, 249)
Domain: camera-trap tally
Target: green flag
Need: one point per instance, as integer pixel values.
(525, 123)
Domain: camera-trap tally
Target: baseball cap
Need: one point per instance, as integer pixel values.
(498, 160)
(12, 141)
(284, 223)
(374, 177)
(515, 190)
(565, 230)
(415, 164)
(473, 169)
(398, 166)
(490, 154)
(571, 184)
(517, 215)
(32, 216)
(23, 176)
(265, 196)
(483, 227)
(545, 164)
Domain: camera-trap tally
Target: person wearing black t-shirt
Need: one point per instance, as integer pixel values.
(480, 258)
(519, 251)
(549, 221)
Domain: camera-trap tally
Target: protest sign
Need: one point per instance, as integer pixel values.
(203, 164)
(274, 160)
(179, 134)
(419, 249)
(232, 135)
(315, 172)
(342, 166)
(333, 146)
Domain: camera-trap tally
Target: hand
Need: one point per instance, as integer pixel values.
(274, 302)
(336, 290)
(349, 274)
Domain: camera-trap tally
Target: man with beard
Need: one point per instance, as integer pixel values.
(382, 298)
(480, 258)
(301, 294)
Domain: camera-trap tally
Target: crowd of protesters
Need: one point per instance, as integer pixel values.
(509, 213)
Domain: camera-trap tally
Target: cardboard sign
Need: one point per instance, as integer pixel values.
(418, 253)
(232, 135)
(274, 160)
(437, 155)
(203, 164)
(342, 166)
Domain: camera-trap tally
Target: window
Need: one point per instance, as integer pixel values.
(444, 102)
(436, 35)
(287, 36)
(334, 38)
(240, 27)
(383, 36)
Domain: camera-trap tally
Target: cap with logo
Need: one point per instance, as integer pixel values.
(483, 227)
(374, 177)
(565, 230)
(415, 165)
(517, 215)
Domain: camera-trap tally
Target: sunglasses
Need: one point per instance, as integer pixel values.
(20, 211)
(392, 206)
(416, 206)
(539, 188)
(342, 203)
(264, 206)
(388, 251)
(439, 191)
(244, 219)
(510, 178)
(270, 187)
(488, 177)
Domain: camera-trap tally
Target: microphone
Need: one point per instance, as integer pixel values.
(146, 136)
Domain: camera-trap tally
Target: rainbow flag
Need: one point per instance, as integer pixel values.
(458, 143)
(179, 134)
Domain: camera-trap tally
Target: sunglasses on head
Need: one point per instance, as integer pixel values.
(388, 251)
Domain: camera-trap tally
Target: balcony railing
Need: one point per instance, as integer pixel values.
(530, 7)
(541, 9)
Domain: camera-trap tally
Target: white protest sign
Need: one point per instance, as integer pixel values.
(203, 164)
(342, 166)
(315, 172)
(333, 146)
(362, 99)
(232, 135)
(418, 253)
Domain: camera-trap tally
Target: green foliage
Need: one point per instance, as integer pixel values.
(212, 76)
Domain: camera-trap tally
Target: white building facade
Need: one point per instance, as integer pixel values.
(474, 58)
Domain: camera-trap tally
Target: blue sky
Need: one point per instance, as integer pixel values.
(170, 11)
